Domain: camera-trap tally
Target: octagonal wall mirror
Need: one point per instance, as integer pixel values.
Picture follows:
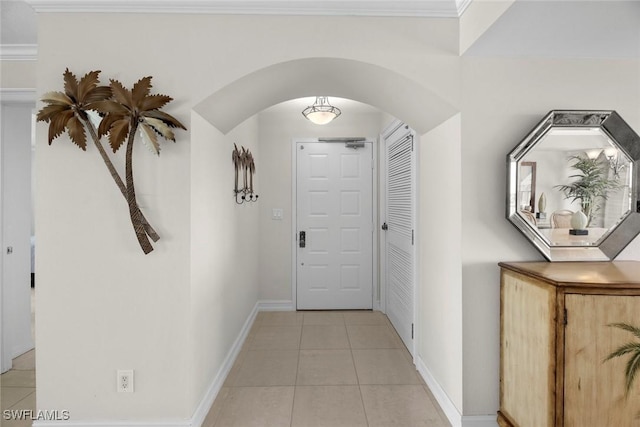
(573, 187)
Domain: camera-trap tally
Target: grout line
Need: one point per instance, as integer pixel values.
(216, 418)
(295, 381)
(23, 399)
(353, 360)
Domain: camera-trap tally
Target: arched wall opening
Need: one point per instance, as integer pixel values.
(232, 115)
(371, 84)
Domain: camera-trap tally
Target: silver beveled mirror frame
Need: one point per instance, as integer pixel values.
(626, 140)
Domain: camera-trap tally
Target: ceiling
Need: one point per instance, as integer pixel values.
(564, 29)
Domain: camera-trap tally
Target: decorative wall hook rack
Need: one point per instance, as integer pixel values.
(244, 166)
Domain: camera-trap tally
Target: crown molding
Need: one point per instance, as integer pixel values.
(18, 95)
(392, 8)
(18, 52)
(462, 5)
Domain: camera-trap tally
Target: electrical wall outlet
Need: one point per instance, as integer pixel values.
(125, 381)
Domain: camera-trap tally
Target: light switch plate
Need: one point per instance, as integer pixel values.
(276, 214)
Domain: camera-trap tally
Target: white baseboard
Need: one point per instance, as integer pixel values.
(276, 305)
(452, 413)
(213, 390)
(480, 420)
(205, 404)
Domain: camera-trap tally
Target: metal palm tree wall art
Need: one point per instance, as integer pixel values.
(124, 112)
(244, 165)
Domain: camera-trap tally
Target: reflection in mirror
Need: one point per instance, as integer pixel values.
(527, 186)
(573, 185)
(579, 169)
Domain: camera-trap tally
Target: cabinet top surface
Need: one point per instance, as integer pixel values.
(580, 273)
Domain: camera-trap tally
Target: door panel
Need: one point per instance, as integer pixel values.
(335, 210)
(594, 390)
(400, 233)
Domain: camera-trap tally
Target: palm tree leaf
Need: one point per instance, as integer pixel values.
(87, 83)
(168, 119)
(160, 127)
(47, 112)
(118, 133)
(121, 94)
(629, 328)
(57, 98)
(96, 94)
(153, 102)
(149, 138)
(58, 124)
(631, 370)
(140, 90)
(624, 349)
(71, 85)
(107, 122)
(76, 132)
(110, 107)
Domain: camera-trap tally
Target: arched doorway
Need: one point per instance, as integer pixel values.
(385, 89)
(371, 84)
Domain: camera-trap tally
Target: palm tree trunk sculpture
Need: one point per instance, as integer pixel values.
(134, 212)
(124, 112)
(116, 177)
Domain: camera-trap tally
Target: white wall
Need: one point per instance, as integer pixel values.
(440, 279)
(102, 304)
(503, 100)
(274, 173)
(18, 74)
(477, 18)
(224, 248)
(136, 311)
(551, 170)
(15, 155)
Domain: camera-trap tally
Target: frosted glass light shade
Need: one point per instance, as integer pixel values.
(321, 112)
(320, 117)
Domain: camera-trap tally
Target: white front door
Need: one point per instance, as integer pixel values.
(399, 236)
(334, 236)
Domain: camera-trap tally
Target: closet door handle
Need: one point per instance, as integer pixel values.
(303, 239)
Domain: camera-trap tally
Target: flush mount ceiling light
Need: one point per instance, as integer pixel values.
(321, 112)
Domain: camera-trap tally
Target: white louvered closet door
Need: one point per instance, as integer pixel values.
(400, 200)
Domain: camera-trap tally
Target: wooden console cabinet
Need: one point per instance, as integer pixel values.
(554, 337)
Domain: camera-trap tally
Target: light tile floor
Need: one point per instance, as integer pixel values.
(324, 369)
(18, 385)
(299, 369)
(18, 389)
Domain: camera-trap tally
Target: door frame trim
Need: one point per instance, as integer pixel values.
(375, 214)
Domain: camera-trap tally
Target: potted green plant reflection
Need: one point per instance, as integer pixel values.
(589, 186)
